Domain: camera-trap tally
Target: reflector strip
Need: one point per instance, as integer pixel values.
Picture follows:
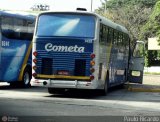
(64, 77)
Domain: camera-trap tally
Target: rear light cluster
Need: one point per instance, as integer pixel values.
(35, 53)
(34, 63)
(34, 74)
(92, 63)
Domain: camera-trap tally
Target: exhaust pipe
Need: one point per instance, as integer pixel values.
(44, 83)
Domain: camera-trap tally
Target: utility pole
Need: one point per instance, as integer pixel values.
(105, 7)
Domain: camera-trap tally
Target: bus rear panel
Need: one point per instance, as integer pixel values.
(63, 54)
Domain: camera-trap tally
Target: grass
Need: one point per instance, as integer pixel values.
(152, 73)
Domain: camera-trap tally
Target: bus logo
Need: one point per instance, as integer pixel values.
(58, 48)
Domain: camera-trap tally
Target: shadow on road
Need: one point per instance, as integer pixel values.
(115, 93)
(22, 89)
(85, 94)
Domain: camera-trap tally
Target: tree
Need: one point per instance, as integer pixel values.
(133, 14)
(152, 29)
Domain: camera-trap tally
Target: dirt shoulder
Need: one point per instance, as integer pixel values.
(151, 79)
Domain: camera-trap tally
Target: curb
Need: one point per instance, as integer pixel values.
(135, 89)
(143, 90)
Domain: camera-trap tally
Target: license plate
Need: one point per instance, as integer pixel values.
(63, 73)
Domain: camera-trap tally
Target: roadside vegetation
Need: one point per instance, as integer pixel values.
(151, 73)
(140, 17)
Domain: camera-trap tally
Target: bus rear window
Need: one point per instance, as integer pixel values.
(71, 25)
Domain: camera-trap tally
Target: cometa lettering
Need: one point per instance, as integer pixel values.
(57, 48)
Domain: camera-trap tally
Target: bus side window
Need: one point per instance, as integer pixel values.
(18, 28)
(115, 37)
(7, 27)
(30, 26)
(23, 29)
(110, 35)
(103, 34)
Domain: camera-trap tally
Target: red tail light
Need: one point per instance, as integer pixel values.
(35, 53)
(35, 61)
(91, 77)
(34, 74)
(92, 70)
(92, 63)
(92, 55)
(34, 67)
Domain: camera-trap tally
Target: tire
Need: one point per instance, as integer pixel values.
(13, 84)
(104, 91)
(56, 91)
(26, 78)
(50, 90)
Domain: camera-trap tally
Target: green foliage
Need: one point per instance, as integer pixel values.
(134, 15)
(152, 29)
(126, 3)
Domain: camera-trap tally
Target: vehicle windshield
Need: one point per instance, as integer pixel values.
(71, 25)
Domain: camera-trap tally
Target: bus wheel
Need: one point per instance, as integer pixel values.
(13, 84)
(105, 89)
(56, 91)
(51, 90)
(26, 78)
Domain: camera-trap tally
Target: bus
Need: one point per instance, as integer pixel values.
(82, 50)
(16, 32)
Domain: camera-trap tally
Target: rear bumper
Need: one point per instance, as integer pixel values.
(63, 84)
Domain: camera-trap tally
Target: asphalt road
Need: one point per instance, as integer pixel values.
(36, 101)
